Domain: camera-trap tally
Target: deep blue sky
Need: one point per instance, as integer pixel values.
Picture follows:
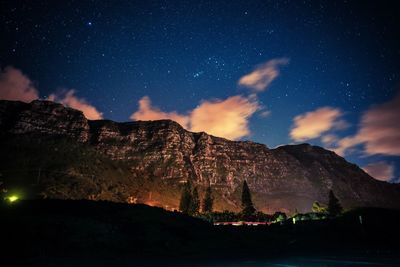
(343, 54)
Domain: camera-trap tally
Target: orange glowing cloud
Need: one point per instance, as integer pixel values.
(379, 131)
(71, 100)
(262, 76)
(224, 118)
(313, 124)
(148, 112)
(14, 85)
(380, 170)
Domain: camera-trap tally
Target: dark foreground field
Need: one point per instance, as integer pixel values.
(82, 233)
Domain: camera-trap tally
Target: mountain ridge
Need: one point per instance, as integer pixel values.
(158, 156)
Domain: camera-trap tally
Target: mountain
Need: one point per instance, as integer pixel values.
(51, 151)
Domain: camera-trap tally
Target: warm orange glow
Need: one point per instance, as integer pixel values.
(232, 120)
(14, 85)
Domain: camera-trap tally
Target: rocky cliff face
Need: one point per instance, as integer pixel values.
(43, 117)
(165, 155)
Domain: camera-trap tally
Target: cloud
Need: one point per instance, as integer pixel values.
(329, 139)
(379, 131)
(265, 113)
(262, 76)
(14, 85)
(148, 112)
(224, 118)
(71, 100)
(227, 118)
(345, 144)
(313, 124)
(380, 170)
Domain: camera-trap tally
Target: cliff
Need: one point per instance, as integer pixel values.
(53, 151)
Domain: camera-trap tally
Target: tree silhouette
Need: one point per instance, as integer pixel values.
(195, 203)
(279, 216)
(186, 198)
(208, 200)
(247, 204)
(334, 207)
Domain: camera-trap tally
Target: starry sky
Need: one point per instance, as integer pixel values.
(274, 72)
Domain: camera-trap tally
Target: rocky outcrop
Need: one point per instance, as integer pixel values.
(43, 118)
(285, 178)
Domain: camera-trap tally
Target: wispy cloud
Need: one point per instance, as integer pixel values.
(262, 76)
(329, 139)
(148, 112)
(69, 99)
(265, 113)
(379, 131)
(14, 85)
(380, 170)
(228, 118)
(313, 124)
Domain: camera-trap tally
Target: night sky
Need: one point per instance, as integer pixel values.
(274, 72)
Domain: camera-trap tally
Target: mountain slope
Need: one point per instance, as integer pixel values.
(53, 151)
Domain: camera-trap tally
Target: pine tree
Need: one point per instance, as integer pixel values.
(195, 203)
(334, 207)
(247, 203)
(208, 201)
(186, 198)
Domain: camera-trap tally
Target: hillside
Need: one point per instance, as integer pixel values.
(50, 151)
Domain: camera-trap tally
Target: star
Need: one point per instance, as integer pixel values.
(197, 74)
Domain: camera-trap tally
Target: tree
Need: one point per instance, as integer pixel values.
(195, 203)
(186, 198)
(334, 207)
(318, 207)
(208, 200)
(279, 216)
(247, 204)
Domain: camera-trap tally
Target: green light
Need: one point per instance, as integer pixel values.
(12, 198)
(294, 220)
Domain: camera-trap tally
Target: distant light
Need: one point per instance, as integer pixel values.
(294, 220)
(89, 23)
(12, 198)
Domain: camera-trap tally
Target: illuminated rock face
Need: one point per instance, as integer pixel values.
(286, 178)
